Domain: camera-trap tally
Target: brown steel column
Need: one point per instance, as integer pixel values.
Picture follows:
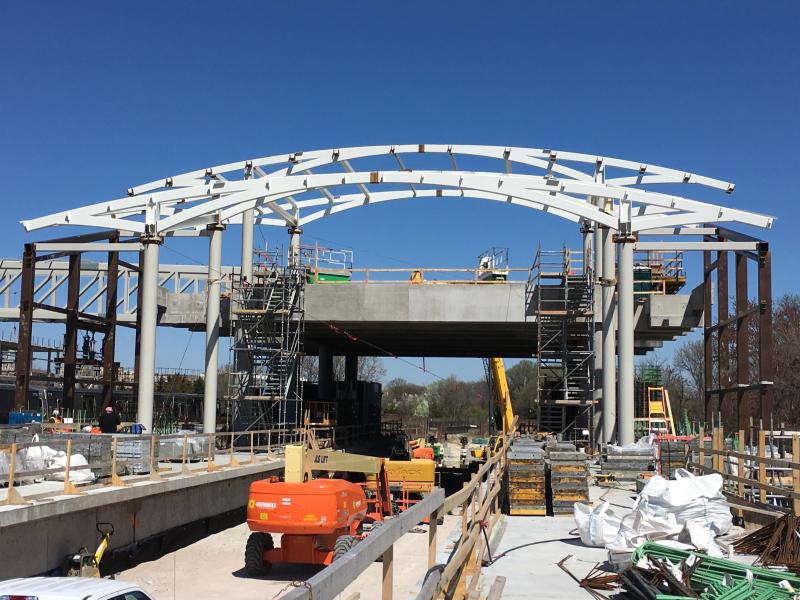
(110, 327)
(723, 337)
(708, 358)
(71, 335)
(743, 407)
(765, 358)
(22, 366)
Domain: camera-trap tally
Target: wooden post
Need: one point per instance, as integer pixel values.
(432, 527)
(210, 458)
(795, 473)
(13, 496)
(740, 465)
(184, 451)
(155, 475)
(252, 449)
(116, 481)
(762, 468)
(69, 487)
(232, 462)
(388, 573)
(701, 446)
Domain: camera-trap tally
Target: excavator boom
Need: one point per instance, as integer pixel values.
(502, 394)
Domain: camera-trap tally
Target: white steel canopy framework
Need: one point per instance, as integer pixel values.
(292, 190)
(282, 189)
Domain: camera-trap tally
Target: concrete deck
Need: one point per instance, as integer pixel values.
(530, 548)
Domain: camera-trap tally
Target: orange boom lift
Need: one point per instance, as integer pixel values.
(318, 519)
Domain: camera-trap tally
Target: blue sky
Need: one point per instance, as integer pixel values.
(97, 97)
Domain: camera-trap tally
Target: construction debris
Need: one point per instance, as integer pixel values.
(775, 544)
(663, 573)
(626, 463)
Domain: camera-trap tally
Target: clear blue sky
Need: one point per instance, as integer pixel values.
(98, 96)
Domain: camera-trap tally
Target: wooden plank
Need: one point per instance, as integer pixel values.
(496, 591)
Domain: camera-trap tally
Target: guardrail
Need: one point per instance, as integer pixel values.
(189, 449)
(758, 476)
(480, 511)
(420, 275)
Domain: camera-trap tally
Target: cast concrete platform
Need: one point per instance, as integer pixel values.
(35, 538)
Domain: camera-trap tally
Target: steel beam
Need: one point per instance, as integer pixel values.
(743, 314)
(626, 403)
(723, 338)
(599, 406)
(678, 246)
(212, 328)
(89, 247)
(609, 351)
(708, 340)
(148, 311)
(766, 365)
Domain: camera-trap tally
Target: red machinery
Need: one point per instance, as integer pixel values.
(318, 519)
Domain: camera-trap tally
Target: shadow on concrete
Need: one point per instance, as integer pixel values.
(283, 572)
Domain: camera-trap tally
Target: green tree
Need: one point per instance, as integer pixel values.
(523, 387)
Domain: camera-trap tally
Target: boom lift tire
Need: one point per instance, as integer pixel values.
(342, 545)
(254, 562)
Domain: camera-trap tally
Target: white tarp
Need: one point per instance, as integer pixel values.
(688, 509)
(645, 446)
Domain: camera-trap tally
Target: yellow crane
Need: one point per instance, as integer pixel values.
(502, 395)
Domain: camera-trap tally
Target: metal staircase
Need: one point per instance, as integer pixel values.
(562, 296)
(265, 387)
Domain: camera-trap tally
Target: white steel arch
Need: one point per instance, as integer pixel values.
(280, 188)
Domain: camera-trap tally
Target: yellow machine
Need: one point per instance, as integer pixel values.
(659, 411)
(502, 398)
(85, 563)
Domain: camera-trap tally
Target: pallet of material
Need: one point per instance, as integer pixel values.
(527, 494)
(569, 477)
(627, 466)
(671, 456)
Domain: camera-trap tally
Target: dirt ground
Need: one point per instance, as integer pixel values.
(214, 568)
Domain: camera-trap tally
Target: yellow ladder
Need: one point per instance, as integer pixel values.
(659, 411)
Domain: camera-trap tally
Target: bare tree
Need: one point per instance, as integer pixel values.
(370, 368)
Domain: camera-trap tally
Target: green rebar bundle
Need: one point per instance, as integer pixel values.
(708, 576)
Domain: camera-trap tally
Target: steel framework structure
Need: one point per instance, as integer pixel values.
(612, 199)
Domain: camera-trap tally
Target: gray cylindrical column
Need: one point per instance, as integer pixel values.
(294, 246)
(212, 328)
(325, 375)
(625, 410)
(597, 266)
(248, 224)
(147, 335)
(609, 340)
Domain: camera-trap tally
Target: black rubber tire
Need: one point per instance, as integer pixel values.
(254, 562)
(342, 545)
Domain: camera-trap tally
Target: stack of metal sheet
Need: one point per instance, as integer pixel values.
(671, 456)
(569, 477)
(134, 452)
(96, 449)
(627, 464)
(526, 478)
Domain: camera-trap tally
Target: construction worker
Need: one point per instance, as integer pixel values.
(55, 417)
(109, 420)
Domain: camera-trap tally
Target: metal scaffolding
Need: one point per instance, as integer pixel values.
(268, 312)
(564, 298)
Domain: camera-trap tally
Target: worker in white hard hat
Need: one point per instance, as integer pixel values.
(56, 416)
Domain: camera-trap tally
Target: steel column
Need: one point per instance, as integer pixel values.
(148, 309)
(708, 341)
(626, 403)
(609, 351)
(766, 366)
(71, 335)
(325, 375)
(351, 369)
(294, 246)
(110, 328)
(597, 268)
(212, 328)
(723, 339)
(248, 221)
(743, 409)
(22, 366)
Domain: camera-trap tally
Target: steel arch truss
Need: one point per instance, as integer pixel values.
(296, 189)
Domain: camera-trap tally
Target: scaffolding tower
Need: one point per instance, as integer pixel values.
(563, 299)
(268, 315)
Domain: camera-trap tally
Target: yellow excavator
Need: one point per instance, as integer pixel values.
(504, 411)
